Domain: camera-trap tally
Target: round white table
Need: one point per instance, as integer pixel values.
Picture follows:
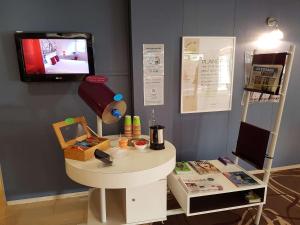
(136, 168)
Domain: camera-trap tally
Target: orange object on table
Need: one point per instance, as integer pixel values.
(123, 142)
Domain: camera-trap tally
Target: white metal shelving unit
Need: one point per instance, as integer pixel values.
(230, 192)
(275, 131)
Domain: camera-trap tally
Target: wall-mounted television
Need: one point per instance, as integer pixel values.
(54, 56)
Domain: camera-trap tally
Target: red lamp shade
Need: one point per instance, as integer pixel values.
(100, 99)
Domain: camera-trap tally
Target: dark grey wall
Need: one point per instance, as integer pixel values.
(30, 156)
(209, 135)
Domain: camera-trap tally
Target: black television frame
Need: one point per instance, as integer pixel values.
(19, 36)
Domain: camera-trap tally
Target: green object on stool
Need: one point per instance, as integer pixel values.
(69, 120)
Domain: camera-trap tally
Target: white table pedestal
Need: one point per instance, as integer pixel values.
(131, 191)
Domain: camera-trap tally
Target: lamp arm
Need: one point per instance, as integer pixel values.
(99, 126)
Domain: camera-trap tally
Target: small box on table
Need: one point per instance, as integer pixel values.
(77, 140)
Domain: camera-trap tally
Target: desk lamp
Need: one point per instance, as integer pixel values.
(108, 106)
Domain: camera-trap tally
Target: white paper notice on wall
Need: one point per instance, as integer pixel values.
(207, 74)
(153, 72)
(154, 90)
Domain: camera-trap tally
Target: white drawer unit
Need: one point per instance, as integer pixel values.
(146, 203)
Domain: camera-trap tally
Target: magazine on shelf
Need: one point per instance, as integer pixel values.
(182, 168)
(204, 167)
(265, 78)
(256, 96)
(194, 185)
(240, 178)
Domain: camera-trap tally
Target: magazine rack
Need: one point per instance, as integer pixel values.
(275, 131)
(232, 197)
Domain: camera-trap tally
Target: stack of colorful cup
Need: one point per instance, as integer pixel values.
(128, 126)
(136, 128)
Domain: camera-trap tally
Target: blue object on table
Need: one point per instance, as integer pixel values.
(118, 97)
(116, 113)
(83, 144)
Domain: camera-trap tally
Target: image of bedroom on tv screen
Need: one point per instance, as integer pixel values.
(55, 56)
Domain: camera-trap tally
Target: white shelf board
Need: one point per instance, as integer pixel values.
(183, 197)
(228, 186)
(225, 209)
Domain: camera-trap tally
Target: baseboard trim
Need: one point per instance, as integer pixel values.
(48, 198)
(275, 169)
(85, 193)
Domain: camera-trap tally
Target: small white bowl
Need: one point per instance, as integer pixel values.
(140, 147)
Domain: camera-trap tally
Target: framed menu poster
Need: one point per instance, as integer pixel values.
(207, 66)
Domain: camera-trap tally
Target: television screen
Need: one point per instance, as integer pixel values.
(54, 56)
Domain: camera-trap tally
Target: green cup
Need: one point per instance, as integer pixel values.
(127, 120)
(136, 121)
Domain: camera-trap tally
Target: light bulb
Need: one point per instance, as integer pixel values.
(277, 34)
(270, 40)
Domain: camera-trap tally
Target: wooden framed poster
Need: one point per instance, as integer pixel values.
(207, 67)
